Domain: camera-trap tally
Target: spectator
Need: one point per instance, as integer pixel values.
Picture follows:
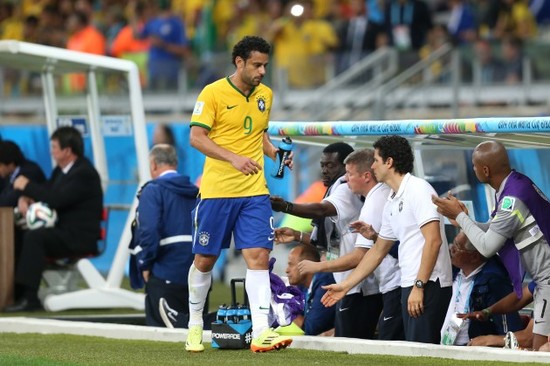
(462, 23)
(302, 44)
(362, 181)
(83, 37)
(234, 199)
(490, 69)
(518, 228)
(74, 191)
(126, 46)
(424, 258)
(357, 36)
(512, 60)
(317, 319)
(407, 23)
(168, 46)
(161, 240)
(479, 283)
(358, 311)
(13, 164)
(515, 20)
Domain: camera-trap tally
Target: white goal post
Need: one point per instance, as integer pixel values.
(102, 292)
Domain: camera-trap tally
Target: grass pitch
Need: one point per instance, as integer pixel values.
(60, 349)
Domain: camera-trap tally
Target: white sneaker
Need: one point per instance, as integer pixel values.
(510, 341)
(169, 316)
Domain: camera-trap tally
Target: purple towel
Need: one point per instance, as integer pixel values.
(287, 302)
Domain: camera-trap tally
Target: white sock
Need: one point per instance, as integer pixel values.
(259, 297)
(199, 284)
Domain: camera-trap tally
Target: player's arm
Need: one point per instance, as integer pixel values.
(368, 264)
(432, 246)
(307, 210)
(343, 263)
(486, 242)
(201, 141)
(269, 149)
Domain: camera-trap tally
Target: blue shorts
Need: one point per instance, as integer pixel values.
(249, 219)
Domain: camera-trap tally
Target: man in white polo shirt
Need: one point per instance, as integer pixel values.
(410, 217)
(361, 180)
(358, 311)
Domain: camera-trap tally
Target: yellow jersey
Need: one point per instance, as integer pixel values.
(236, 123)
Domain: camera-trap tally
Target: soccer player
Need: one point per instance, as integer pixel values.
(519, 229)
(410, 217)
(229, 125)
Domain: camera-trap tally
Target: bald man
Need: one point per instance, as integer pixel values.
(519, 228)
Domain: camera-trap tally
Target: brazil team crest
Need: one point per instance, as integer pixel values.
(261, 104)
(204, 238)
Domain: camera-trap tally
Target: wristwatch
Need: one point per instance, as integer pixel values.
(419, 284)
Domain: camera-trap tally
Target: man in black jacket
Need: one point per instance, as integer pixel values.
(74, 191)
(12, 165)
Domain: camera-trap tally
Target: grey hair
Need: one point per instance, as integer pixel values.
(164, 154)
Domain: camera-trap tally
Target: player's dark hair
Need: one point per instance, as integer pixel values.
(10, 153)
(68, 136)
(247, 45)
(341, 148)
(397, 148)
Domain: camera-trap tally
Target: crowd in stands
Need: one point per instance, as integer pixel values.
(311, 42)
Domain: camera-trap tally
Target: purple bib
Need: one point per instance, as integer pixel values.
(520, 186)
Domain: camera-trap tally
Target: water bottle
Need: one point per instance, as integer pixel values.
(231, 314)
(243, 313)
(222, 314)
(285, 148)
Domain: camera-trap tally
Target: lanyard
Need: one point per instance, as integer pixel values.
(407, 14)
(457, 298)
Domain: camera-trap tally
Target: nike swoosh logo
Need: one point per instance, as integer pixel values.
(231, 106)
(539, 321)
(270, 238)
(343, 309)
(262, 308)
(194, 303)
(388, 318)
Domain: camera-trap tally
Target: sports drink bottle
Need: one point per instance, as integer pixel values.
(285, 148)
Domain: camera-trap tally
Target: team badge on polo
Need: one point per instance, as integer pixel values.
(261, 104)
(204, 238)
(508, 204)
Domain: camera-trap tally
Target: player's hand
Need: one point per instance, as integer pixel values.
(23, 204)
(290, 162)
(246, 165)
(335, 293)
(307, 267)
(284, 235)
(449, 206)
(475, 315)
(415, 303)
(364, 229)
(277, 203)
(20, 183)
(146, 275)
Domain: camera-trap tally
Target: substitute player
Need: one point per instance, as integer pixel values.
(229, 125)
(519, 229)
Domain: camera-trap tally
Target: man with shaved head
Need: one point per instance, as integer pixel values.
(519, 228)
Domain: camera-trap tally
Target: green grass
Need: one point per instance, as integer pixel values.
(59, 349)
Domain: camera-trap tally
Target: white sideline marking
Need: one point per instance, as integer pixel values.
(350, 345)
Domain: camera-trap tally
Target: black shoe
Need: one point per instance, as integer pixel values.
(24, 305)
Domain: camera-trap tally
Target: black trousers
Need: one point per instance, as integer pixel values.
(357, 316)
(39, 244)
(177, 297)
(427, 327)
(390, 326)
